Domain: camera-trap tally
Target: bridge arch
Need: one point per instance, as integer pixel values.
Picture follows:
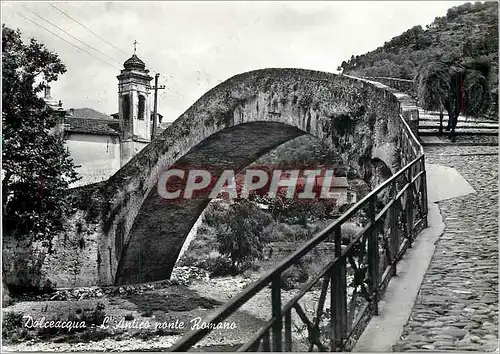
(230, 127)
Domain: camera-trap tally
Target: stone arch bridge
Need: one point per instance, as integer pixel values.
(124, 233)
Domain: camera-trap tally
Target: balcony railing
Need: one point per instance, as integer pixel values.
(352, 281)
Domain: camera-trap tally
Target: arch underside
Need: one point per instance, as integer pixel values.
(161, 228)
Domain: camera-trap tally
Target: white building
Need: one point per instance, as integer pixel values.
(102, 143)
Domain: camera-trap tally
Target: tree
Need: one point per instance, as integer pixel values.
(240, 237)
(454, 87)
(433, 87)
(37, 168)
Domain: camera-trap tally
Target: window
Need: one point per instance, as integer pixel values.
(142, 107)
(126, 108)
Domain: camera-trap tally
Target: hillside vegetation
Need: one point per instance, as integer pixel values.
(467, 35)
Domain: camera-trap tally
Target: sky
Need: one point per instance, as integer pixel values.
(197, 45)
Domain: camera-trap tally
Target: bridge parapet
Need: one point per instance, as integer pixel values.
(402, 85)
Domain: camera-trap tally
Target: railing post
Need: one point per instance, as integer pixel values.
(423, 190)
(373, 255)
(266, 347)
(338, 297)
(288, 331)
(276, 311)
(409, 207)
(394, 237)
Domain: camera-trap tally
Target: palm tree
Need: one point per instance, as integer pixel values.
(454, 88)
(476, 93)
(433, 88)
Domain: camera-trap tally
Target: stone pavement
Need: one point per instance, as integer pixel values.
(457, 305)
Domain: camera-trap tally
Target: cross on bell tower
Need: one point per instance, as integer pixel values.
(135, 46)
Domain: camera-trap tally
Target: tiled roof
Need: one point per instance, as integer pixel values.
(92, 126)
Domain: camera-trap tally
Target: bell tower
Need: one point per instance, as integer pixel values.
(134, 109)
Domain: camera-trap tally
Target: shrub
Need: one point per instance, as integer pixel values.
(293, 276)
(349, 231)
(95, 316)
(12, 327)
(241, 238)
(91, 317)
(219, 267)
(215, 214)
(48, 287)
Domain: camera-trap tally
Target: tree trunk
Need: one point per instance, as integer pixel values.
(441, 122)
(5, 191)
(454, 120)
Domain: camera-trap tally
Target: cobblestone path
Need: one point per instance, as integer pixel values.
(457, 306)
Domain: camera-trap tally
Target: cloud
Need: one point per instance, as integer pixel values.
(302, 17)
(195, 45)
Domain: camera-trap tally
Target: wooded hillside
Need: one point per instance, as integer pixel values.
(467, 34)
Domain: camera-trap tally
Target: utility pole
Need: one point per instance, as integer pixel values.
(155, 112)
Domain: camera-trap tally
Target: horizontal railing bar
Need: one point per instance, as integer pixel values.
(386, 208)
(419, 222)
(257, 336)
(363, 231)
(348, 214)
(387, 272)
(357, 320)
(217, 316)
(414, 138)
(402, 249)
(325, 269)
(401, 192)
(398, 196)
(289, 305)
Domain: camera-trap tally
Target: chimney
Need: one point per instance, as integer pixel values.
(47, 92)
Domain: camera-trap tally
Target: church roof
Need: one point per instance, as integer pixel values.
(90, 121)
(134, 63)
(92, 126)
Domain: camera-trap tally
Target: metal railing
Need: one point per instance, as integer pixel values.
(390, 216)
(403, 85)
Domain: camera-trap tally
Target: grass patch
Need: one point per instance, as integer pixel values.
(181, 299)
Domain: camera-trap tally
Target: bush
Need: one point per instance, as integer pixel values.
(293, 276)
(91, 317)
(94, 316)
(215, 214)
(348, 232)
(241, 238)
(12, 327)
(219, 267)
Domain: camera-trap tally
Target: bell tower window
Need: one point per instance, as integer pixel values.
(126, 108)
(142, 107)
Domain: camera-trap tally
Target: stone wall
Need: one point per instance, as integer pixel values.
(98, 156)
(402, 85)
(75, 260)
(279, 250)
